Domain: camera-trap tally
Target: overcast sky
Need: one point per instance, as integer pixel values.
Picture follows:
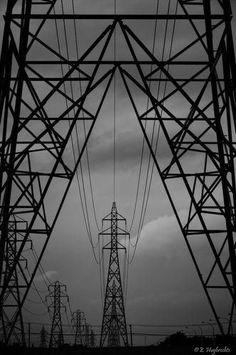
(163, 287)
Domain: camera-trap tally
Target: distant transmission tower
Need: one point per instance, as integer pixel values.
(92, 338)
(87, 335)
(57, 292)
(78, 323)
(114, 327)
(43, 337)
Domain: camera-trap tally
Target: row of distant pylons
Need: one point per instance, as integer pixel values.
(83, 333)
(114, 327)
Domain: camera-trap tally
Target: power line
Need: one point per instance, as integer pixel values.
(77, 134)
(158, 94)
(142, 152)
(86, 148)
(146, 195)
(41, 269)
(34, 287)
(143, 140)
(114, 116)
(82, 199)
(34, 313)
(77, 138)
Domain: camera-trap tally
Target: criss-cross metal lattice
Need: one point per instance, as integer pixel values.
(12, 297)
(114, 328)
(195, 117)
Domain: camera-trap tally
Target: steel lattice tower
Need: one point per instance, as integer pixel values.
(195, 116)
(78, 322)
(92, 338)
(87, 335)
(57, 292)
(43, 337)
(114, 328)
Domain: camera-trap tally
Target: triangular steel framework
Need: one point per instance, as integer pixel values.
(206, 128)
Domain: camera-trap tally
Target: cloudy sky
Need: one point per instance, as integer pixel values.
(163, 286)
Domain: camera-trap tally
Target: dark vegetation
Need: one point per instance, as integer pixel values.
(177, 343)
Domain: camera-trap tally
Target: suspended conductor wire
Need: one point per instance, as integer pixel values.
(70, 326)
(143, 144)
(165, 87)
(69, 305)
(41, 269)
(83, 204)
(36, 289)
(126, 241)
(43, 274)
(103, 269)
(34, 313)
(114, 114)
(146, 194)
(124, 264)
(100, 271)
(127, 270)
(101, 248)
(86, 148)
(144, 207)
(161, 112)
(72, 141)
(71, 315)
(31, 301)
(77, 133)
(143, 140)
(155, 150)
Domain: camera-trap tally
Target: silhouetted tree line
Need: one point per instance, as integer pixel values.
(177, 343)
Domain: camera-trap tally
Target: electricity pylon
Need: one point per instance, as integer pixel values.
(193, 119)
(92, 339)
(90, 336)
(43, 337)
(57, 292)
(114, 328)
(87, 335)
(78, 323)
